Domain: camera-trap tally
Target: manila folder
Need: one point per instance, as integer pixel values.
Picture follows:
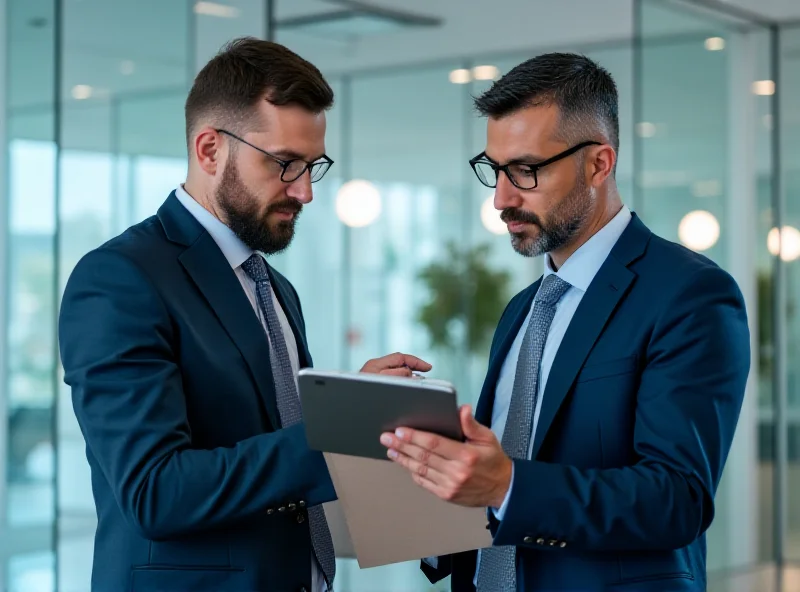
(392, 519)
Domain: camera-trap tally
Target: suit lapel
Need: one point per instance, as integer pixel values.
(606, 291)
(601, 299)
(213, 275)
(506, 333)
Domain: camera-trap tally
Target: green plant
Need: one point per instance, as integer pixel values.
(467, 298)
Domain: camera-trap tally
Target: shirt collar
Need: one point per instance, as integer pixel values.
(235, 251)
(581, 267)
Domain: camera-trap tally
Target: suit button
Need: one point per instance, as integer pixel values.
(292, 507)
(540, 541)
(527, 540)
(301, 518)
(301, 503)
(562, 544)
(282, 509)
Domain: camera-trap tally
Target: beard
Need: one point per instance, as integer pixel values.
(253, 228)
(563, 224)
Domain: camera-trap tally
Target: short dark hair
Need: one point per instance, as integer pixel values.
(245, 71)
(583, 91)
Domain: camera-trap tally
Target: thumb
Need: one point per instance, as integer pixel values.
(470, 426)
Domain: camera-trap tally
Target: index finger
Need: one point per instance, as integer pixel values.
(415, 363)
(436, 444)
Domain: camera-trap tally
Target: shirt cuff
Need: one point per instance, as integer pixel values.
(432, 561)
(499, 513)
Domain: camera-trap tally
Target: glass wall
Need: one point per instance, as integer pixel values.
(789, 79)
(401, 236)
(703, 173)
(30, 155)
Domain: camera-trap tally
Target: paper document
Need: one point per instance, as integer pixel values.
(392, 519)
(342, 543)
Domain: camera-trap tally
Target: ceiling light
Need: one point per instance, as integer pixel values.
(764, 87)
(715, 44)
(460, 76)
(490, 217)
(216, 9)
(699, 230)
(645, 129)
(788, 243)
(81, 92)
(358, 203)
(127, 67)
(486, 72)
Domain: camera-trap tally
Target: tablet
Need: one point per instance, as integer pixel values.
(346, 412)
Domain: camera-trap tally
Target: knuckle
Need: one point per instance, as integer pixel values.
(422, 470)
(423, 456)
(470, 459)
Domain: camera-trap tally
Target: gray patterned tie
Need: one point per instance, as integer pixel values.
(289, 407)
(498, 565)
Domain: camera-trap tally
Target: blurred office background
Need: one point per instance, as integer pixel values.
(401, 249)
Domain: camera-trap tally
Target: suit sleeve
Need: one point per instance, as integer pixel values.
(688, 404)
(117, 346)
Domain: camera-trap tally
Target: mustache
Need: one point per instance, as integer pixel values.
(519, 215)
(290, 206)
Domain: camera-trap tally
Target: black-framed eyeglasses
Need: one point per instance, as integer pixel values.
(522, 175)
(292, 170)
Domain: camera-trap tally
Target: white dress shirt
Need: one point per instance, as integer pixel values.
(236, 252)
(578, 271)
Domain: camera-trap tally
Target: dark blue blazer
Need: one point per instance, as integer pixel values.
(197, 487)
(636, 423)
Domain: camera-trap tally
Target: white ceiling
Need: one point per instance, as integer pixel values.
(774, 9)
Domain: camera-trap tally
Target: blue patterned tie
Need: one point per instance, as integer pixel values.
(498, 565)
(288, 402)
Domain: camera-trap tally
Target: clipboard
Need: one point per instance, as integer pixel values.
(388, 518)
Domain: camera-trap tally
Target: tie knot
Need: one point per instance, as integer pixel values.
(256, 268)
(552, 289)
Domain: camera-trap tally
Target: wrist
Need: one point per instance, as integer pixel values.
(503, 482)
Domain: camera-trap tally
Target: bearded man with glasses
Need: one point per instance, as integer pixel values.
(182, 347)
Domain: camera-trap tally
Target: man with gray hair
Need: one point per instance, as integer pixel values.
(615, 381)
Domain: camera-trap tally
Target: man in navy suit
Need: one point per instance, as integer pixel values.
(182, 347)
(615, 382)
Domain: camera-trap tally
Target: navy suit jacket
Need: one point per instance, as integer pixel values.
(637, 420)
(196, 485)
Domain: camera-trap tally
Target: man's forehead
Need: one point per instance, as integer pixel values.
(528, 131)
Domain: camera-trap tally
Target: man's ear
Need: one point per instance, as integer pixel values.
(601, 162)
(208, 149)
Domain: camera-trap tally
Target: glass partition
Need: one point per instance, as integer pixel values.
(29, 153)
(703, 170)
